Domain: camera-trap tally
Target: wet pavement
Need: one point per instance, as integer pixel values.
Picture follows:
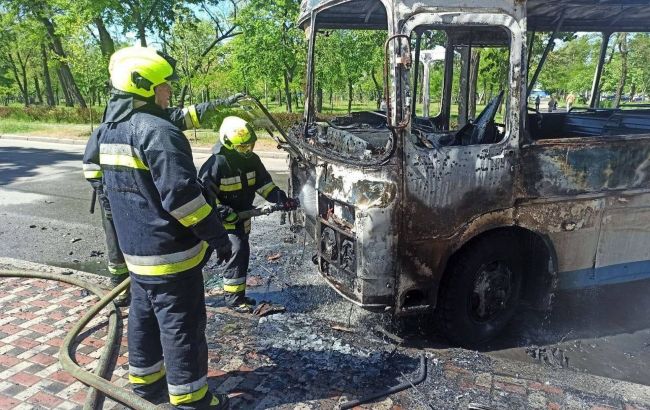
(592, 350)
(45, 202)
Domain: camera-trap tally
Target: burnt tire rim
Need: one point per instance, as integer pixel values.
(492, 291)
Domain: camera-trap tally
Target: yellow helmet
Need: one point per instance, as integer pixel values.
(137, 70)
(235, 133)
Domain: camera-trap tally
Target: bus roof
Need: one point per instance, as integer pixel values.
(543, 15)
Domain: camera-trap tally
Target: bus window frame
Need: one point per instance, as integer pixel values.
(515, 105)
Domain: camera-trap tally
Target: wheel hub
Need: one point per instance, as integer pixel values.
(492, 291)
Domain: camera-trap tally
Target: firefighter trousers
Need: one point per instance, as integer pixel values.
(234, 275)
(167, 344)
(116, 264)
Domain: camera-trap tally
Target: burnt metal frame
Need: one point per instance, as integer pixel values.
(594, 101)
(310, 109)
(409, 27)
(547, 50)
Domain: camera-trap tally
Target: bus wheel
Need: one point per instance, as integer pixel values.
(481, 290)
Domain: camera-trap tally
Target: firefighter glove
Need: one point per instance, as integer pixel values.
(223, 248)
(227, 214)
(226, 102)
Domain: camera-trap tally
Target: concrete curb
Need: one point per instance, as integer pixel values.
(201, 150)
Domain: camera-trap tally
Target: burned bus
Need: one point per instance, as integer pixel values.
(463, 212)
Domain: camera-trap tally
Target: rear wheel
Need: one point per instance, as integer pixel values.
(481, 290)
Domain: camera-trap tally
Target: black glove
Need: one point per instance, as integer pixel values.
(223, 247)
(226, 102)
(290, 204)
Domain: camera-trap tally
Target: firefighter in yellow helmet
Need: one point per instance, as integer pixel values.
(164, 226)
(127, 94)
(233, 175)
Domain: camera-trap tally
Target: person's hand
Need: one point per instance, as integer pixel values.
(223, 248)
(290, 204)
(227, 214)
(228, 101)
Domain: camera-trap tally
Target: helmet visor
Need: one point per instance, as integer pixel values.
(245, 149)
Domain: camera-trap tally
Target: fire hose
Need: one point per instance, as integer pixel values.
(97, 380)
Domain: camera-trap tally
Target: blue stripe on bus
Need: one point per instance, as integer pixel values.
(606, 275)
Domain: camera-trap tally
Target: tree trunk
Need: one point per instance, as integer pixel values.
(47, 80)
(57, 46)
(473, 79)
(23, 73)
(287, 93)
(331, 100)
(37, 87)
(349, 95)
(378, 89)
(142, 34)
(22, 84)
(622, 46)
(299, 101)
(319, 98)
(106, 43)
(64, 89)
(632, 92)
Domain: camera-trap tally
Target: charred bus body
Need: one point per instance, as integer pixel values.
(472, 214)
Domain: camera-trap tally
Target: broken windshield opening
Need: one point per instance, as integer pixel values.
(349, 110)
(459, 84)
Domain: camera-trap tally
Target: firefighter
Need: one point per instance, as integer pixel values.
(165, 229)
(232, 175)
(184, 118)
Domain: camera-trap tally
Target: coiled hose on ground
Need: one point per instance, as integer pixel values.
(96, 380)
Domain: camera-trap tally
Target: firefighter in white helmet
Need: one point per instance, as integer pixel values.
(233, 175)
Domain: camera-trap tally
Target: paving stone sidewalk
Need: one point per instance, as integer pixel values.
(288, 361)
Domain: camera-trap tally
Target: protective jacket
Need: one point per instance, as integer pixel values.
(237, 179)
(121, 104)
(164, 224)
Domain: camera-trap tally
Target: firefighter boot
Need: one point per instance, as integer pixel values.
(241, 303)
(123, 298)
(155, 393)
(219, 402)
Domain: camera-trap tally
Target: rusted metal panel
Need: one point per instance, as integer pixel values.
(564, 167)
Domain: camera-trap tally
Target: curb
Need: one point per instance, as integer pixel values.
(201, 150)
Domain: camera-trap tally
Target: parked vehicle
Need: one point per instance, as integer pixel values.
(465, 215)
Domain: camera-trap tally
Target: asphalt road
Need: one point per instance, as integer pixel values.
(44, 218)
(45, 201)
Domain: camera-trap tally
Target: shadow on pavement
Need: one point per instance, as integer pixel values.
(586, 314)
(603, 331)
(24, 162)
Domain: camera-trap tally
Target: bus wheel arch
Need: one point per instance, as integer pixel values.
(488, 278)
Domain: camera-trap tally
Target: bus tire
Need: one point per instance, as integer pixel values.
(481, 290)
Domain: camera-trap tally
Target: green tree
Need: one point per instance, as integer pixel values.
(273, 45)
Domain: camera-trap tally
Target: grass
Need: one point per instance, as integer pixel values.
(200, 138)
(35, 128)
